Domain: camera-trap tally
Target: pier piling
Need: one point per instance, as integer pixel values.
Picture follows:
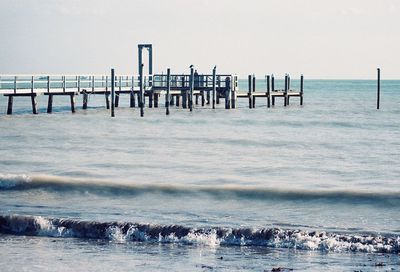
(214, 86)
(378, 89)
(249, 92)
(112, 92)
(167, 96)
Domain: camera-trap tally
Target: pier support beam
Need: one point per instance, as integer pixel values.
(228, 93)
(132, 99)
(34, 104)
(72, 100)
(151, 99)
(10, 104)
(249, 92)
(156, 96)
(50, 104)
(116, 100)
(84, 100)
(112, 92)
(167, 96)
(214, 86)
(254, 90)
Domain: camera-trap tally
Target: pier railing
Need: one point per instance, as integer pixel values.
(199, 81)
(67, 83)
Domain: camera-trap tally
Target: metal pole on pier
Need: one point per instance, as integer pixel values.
(112, 92)
(378, 90)
(167, 97)
(141, 90)
(191, 83)
(214, 86)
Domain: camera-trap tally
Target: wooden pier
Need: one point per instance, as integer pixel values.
(179, 90)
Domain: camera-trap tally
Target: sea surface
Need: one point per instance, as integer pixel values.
(309, 188)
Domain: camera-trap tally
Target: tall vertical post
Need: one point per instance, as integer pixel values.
(107, 95)
(378, 89)
(228, 93)
(254, 90)
(285, 92)
(268, 92)
(132, 94)
(141, 105)
(167, 97)
(301, 89)
(112, 92)
(273, 89)
(233, 91)
(32, 84)
(214, 86)
(249, 92)
(191, 86)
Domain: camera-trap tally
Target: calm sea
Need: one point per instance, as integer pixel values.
(313, 187)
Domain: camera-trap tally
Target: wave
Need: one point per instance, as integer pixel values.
(123, 232)
(62, 185)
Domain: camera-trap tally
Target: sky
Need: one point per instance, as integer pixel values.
(341, 39)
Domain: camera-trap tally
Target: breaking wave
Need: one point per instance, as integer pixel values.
(122, 232)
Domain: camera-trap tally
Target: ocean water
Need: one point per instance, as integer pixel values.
(309, 188)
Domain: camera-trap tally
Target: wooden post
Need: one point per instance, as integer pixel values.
(50, 104)
(203, 98)
(378, 89)
(288, 90)
(112, 92)
(107, 95)
(15, 85)
(301, 89)
(141, 90)
(10, 104)
(249, 92)
(72, 99)
(228, 93)
(285, 92)
(273, 89)
(191, 87)
(156, 95)
(151, 99)
(85, 100)
(34, 104)
(132, 99)
(233, 91)
(268, 92)
(214, 86)
(132, 94)
(167, 96)
(254, 90)
(32, 84)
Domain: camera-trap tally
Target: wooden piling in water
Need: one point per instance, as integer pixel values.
(285, 92)
(10, 104)
(50, 104)
(141, 104)
(112, 92)
(84, 100)
(301, 90)
(72, 100)
(34, 104)
(378, 89)
(273, 89)
(228, 93)
(254, 90)
(268, 92)
(249, 91)
(214, 86)
(167, 96)
(191, 87)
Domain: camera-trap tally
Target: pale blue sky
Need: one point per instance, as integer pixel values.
(322, 39)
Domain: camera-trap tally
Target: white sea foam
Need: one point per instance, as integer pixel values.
(213, 237)
(8, 181)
